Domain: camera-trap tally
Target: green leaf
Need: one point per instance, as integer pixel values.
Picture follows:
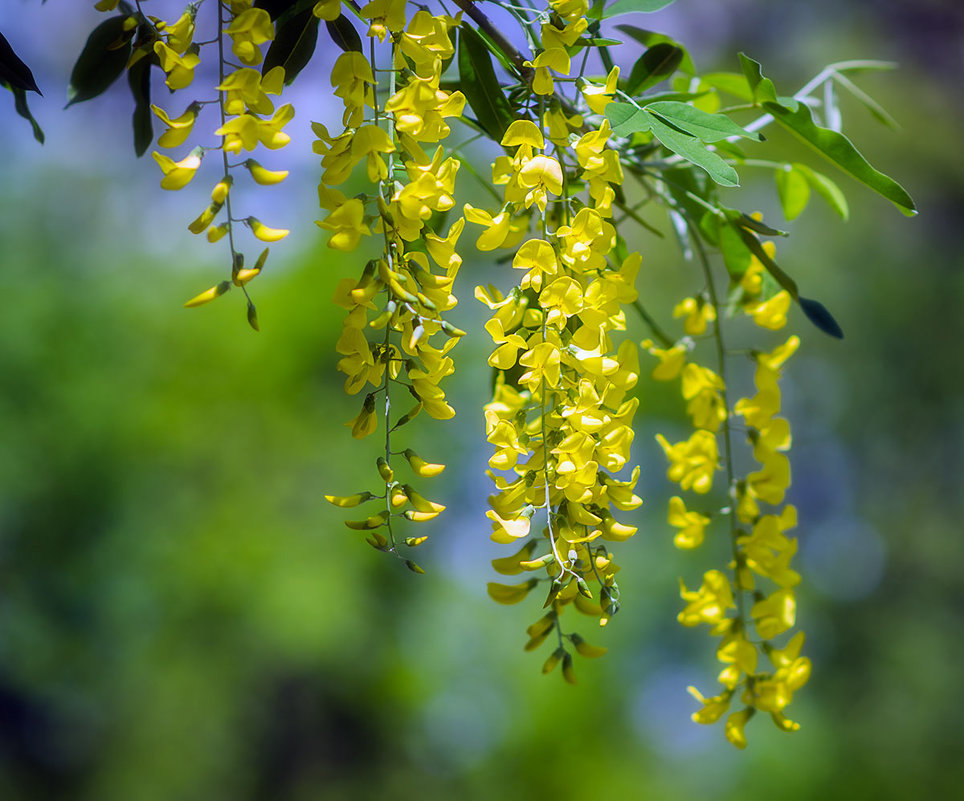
(650, 39)
(343, 34)
(838, 149)
(762, 88)
(793, 189)
(695, 152)
(871, 105)
(13, 71)
(736, 255)
(21, 107)
(633, 6)
(826, 188)
(705, 127)
(480, 86)
(627, 119)
(293, 46)
(101, 62)
(731, 83)
(139, 81)
(656, 64)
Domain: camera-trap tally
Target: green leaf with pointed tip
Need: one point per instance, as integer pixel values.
(21, 107)
(694, 151)
(633, 6)
(705, 127)
(838, 149)
(655, 65)
(871, 105)
(101, 62)
(293, 45)
(627, 119)
(139, 81)
(343, 34)
(826, 188)
(793, 189)
(480, 86)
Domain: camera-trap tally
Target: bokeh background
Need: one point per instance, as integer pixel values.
(182, 616)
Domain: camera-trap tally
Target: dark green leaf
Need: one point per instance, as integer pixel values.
(771, 266)
(13, 70)
(838, 148)
(818, 315)
(705, 127)
(139, 80)
(694, 151)
(633, 6)
(752, 223)
(20, 104)
(793, 189)
(653, 66)
(627, 119)
(650, 39)
(101, 62)
(480, 86)
(293, 45)
(343, 34)
(826, 188)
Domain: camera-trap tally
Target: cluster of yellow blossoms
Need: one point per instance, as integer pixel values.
(406, 290)
(732, 604)
(561, 418)
(248, 118)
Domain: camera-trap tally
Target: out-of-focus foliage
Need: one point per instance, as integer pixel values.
(181, 614)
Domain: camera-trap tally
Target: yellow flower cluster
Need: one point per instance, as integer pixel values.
(395, 309)
(734, 606)
(561, 417)
(248, 118)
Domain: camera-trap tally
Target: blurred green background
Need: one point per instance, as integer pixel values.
(182, 616)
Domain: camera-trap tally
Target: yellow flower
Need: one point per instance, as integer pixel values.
(179, 128)
(366, 421)
(178, 174)
(179, 68)
(691, 525)
(264, 176)
(554, 58)
(328, 10)
(671, 360)
(598, 97)
(697, 314)
(735, 724)
(771, 313)
(713, 708)
(692, 461)
(497, 228)
(248, 30)
(347, 222)
(709, 603)
(246, 90)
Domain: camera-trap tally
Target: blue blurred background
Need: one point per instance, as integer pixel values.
(183, 616)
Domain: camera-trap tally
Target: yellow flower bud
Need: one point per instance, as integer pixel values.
(264, 176)
(420, 467)
(208, 295)
(264, 232)
(347, 501)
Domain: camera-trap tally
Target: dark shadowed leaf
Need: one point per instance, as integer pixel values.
(139, 80)
(101, 62)
(652, 38)
(480, 85)
(293, 46)
(13, 70)
(343, 34)
(653, 66)
(818, 315)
